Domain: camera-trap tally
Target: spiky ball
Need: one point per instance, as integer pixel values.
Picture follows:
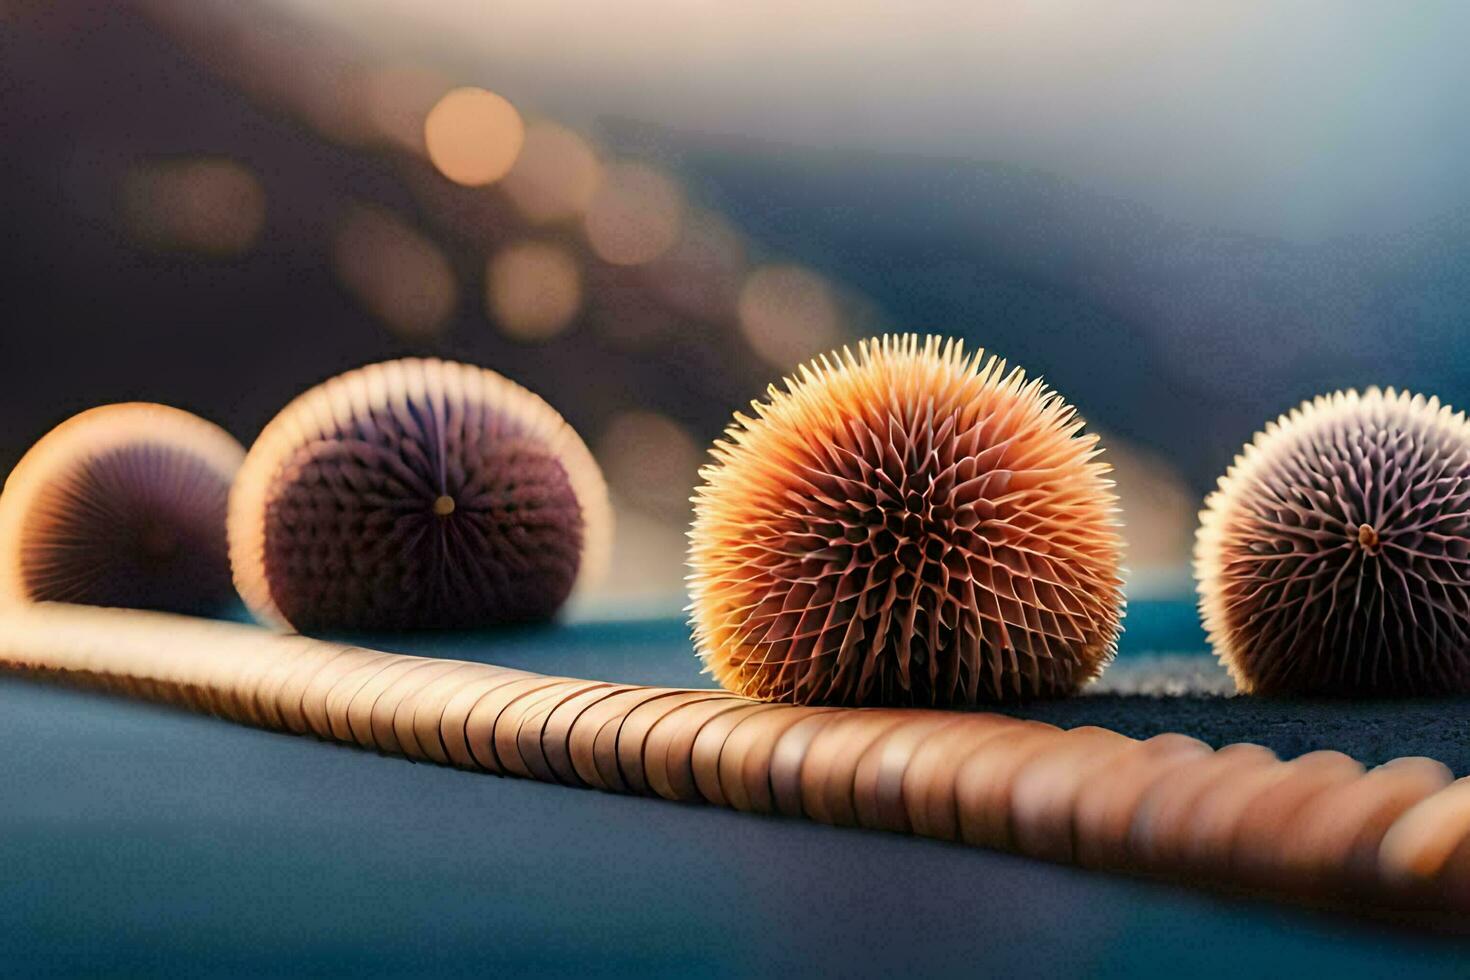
(122, 505)
(909, 524)
(416, 494)
(1335, 556)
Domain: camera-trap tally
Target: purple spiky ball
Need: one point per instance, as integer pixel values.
(122, 505)
(1334, 559)
(416, 494)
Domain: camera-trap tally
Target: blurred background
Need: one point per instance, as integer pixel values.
(1187, 217)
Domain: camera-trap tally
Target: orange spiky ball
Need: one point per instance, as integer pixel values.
(910, 524)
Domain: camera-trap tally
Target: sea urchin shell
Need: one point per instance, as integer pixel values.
(122, 505)
(416, 494)
(1335, 556)
(908, 525)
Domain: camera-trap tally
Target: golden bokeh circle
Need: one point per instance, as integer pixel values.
(533, 289)
(635, 215)
(473, 136)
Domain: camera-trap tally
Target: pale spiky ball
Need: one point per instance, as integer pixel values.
(122, 505)
(910, 524)
(1335, 556)
(416, 494)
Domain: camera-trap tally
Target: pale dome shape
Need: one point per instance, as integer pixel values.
(1334, 558)
(123, 505)
(416, 494)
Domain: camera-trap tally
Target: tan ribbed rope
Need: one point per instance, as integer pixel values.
(1319, 827)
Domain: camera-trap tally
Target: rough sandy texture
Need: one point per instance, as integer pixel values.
(1147, 694)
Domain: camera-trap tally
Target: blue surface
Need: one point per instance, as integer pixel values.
(139, 839)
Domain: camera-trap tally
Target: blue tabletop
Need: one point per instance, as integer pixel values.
(137, 838)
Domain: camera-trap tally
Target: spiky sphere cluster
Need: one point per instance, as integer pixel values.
(1335, 556)
(910, 524)
(122, 505)
(416, 494)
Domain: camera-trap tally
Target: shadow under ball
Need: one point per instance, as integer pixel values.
(122, 505)
(416, 494)
(1334, 559)
(907, 525)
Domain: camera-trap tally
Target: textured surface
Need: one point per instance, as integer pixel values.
(1319, 827)
(122, 505)
(1335, 557)
(416, 494)
(138, 838)
(911, 524)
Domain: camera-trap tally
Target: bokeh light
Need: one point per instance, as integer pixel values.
(533, 289)
(396, 99)
(310, 77)
(701, 275)
(214, 206)
(395, 273)
(645, 577)
(556, 175)
(626, 313)
(473, 136)
(1160, 512)
(788, 314)
(651, 462)
(634, 216)
(326, 92)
